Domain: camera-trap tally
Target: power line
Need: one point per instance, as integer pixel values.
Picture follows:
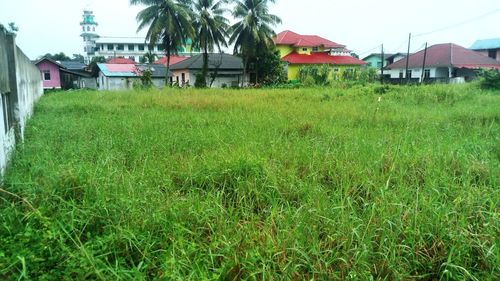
(459, 24)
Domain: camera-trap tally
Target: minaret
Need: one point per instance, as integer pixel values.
(89, 34)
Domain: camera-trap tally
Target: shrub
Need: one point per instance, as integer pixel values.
(489, 79)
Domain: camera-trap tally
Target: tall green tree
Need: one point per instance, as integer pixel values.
(253, 29)
(210, 27)
(168, 22)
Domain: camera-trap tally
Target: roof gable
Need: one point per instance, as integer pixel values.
(288, 37)
(50, 61)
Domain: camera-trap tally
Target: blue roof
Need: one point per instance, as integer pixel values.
(486, 44)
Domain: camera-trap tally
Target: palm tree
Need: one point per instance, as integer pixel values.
(168, 22)
(210, 27)
(253, 29)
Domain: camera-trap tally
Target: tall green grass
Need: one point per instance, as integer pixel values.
(363, 183)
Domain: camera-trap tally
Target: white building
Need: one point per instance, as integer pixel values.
(442, 62)
(127, 47)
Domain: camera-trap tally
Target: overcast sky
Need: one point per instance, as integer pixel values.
(51, 26)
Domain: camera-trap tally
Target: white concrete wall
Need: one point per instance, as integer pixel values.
(218, 83)
(20, 88)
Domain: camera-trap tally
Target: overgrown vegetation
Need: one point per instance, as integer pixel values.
(323, 75)
(490, 79)
(369, 183)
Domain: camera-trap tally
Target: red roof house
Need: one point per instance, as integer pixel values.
(443, 61)
(298, 50)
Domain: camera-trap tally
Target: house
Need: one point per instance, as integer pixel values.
(375, 60)
(223, 70)
(394, 58)
(76, 75)
(299, 50)
(488, 47)
(124, 76)
(50, 71)
(443, 62)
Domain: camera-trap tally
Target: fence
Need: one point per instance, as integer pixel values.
(20, 87)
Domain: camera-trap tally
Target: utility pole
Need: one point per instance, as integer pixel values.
(382, 66)
(423, 65)
(408, 59)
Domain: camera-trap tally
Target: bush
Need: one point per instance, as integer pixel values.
(489, 79)
(201, 81)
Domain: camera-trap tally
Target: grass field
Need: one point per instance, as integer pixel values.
(323, 184)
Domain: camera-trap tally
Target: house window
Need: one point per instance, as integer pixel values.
(111, 47)
(304, 49)
(46, 75)
(183, 78)
(151, 47)
(177, 79)
(88, 28)
(120, 47)
(93, 28)
(141, 47)
(83, 28)
(315, 49)
(427, 73)
(335, 70)
(401, 75)
(408, 74)
(492, 54)
(131, 47)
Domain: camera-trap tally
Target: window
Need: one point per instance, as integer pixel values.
(427, 73)
(93, 28)
(177, 79)
(131, 58)
(131, 47)
(46, 75)
(120, 47)
(151, 47)
(401, 75)
(88, 28)
(315, 49)
(335, 70)
(83, 28)
(408, 74)
(492, 54)
(183, 79)
(111, 47)
(161, 48)
(141, 47)
(304, 49)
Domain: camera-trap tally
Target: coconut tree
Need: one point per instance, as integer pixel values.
(167, 21)
(253, 29)
(210, 27)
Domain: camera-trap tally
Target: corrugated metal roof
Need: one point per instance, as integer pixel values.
(222, 61)
(288, 37)
(486, 44)
(447, 55)
(131, 70)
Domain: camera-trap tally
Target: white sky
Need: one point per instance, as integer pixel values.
(50, 26)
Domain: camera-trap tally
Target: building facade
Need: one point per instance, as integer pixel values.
(299, 50)
(488, 48)
(132, 48)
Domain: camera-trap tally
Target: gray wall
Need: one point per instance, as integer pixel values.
(20, 87)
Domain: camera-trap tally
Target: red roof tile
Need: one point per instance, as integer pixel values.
(322, 58)
(447, 55)
(120, 61)
(173, 60)
(288, 37)
(121, 67)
